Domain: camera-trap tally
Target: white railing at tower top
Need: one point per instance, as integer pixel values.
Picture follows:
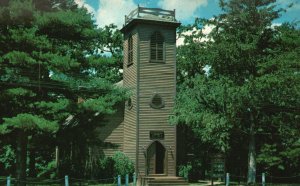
(141, 12)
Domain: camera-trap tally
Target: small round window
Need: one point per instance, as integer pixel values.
(157, 101)
(129, 104)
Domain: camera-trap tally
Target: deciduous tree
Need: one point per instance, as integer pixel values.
(252, 78)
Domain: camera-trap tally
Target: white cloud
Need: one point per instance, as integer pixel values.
(180, 41)
(82, 3)
(184, 9)
(113, 11)
(275, 25)
(206, 30)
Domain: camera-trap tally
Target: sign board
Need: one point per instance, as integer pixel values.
(157, 135)
(218, 167)
(218, 170)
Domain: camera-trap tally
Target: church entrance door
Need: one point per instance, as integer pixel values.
(156, 158)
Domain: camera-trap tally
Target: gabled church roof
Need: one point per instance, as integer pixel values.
(119, 84)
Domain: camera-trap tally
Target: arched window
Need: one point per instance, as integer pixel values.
(130, 51)
(156, 47)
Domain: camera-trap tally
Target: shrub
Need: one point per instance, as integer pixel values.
(106, 167)
(122, 164)
(184, 170)
(7, 158)
(46, 171)
(119, 164)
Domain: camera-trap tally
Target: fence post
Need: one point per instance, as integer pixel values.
(8, 181)
(119, 180)
(263, 179)
(227, 179)
(66, 180)
(134, 179)
(126, 180)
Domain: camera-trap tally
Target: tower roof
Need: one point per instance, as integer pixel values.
(150, 15)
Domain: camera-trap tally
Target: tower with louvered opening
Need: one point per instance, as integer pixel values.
(150, 75)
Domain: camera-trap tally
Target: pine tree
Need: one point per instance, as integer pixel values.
(49, 60)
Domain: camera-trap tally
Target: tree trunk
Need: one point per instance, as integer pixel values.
(32, 170)
(57, 161)
(251, 157)
(21, 155)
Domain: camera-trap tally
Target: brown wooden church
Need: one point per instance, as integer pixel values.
(141, 128)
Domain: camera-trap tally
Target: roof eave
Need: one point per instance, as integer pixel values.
(135, 21)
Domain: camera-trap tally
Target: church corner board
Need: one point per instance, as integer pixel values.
(140, 128)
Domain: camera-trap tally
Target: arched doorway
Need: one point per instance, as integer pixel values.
(156, 158)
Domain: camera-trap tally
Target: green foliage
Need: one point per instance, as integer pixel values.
(28, 123)
(103, 105)
(15, 92)
(204, 108)
(110, 167)
(50, 109)
(279, 157)
(268, 156)
(48, 170)
(18, 13)
(184, 170)
(122, 164)
(112, 39)
(106, 167)
(251, 83)
(58, 62)
(22, 58)
(7, 156)
(49, 59)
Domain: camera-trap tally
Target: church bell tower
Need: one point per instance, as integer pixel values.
(150, 75)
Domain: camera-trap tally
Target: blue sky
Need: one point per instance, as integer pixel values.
(113, 11)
